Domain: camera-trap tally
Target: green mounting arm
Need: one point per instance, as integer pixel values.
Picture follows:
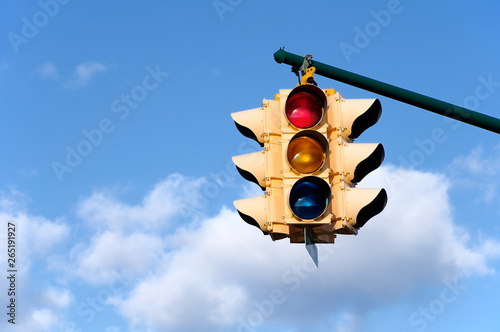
(434, 105)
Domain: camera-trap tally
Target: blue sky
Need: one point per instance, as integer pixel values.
(116, 167)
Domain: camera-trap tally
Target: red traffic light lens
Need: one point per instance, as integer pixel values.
(303, 110)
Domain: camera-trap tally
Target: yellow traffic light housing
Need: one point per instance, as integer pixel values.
(309, 165)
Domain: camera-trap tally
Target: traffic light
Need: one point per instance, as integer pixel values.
(309, 165)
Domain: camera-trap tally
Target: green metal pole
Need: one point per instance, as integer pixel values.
(434, 105)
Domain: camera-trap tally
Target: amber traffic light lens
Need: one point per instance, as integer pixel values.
(306, 154)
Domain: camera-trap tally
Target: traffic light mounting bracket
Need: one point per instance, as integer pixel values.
(406, 96)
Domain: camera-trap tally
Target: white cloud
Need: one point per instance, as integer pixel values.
(35, 235)
(13, 201)
(225, 273)
(193, 278)
(112, 253)
(173, 196)
(478, 162)
(84, 73)
(81, 76)
(112, 329)
(47, 70)
(129, 238)
(57, 297)
(39, 319)
(40, 233)
(36, 238)
(347, 322)
(476, 173)
(44, 319)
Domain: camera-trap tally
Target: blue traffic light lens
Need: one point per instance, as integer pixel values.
(309, 197)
